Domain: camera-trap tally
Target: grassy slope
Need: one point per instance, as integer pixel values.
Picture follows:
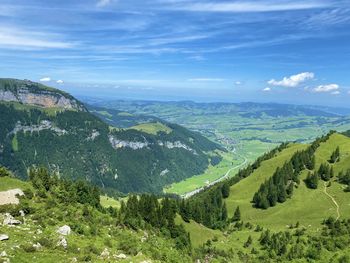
(152, 128)
(307, 206)
(211, 174)
(8, 183)
(108, 236)
(199, 234)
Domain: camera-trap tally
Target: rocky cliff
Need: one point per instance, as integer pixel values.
(27, 92)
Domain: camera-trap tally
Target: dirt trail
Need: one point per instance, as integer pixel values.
(333, 200)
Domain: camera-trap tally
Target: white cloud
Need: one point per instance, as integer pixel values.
(238, 83)
(102, 3)
(326, 88)
(45, 79)
(14, 38)
(337, 92)
(206, 80)
(292, 81)
(248, 6)
(267, 89)
(59, 81)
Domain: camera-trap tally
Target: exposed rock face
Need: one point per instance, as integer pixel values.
(117, 144)
(64, 230)
(44, 125)
(44, 98)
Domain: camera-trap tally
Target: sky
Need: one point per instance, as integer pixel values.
(285, 51)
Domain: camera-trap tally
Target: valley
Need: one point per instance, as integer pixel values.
(248, 129)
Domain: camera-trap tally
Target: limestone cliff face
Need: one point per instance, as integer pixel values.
(25, 93)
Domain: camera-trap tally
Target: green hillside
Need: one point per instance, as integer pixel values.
(307, 206)
(76, 144)
(97, 234)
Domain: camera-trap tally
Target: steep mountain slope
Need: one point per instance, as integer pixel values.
(44, 126)
(307, 206)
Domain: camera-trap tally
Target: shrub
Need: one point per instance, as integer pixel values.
(45, 242)
(28, 248)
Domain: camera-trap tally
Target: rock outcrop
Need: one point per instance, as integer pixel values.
(136, 145)
(4, 237)
(64, 230)
(10, 221)
(10, 197)
(27, 92)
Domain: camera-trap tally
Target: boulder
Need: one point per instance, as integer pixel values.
(4, 237)
(121, 256)
(64, 230)
(105, 253)
(10, 221)
(62, 243)
(37, 246)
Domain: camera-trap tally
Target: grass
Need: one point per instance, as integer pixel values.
(8, 183)
(211, 174)
(199, 234)
(109, 201)
(307, 206)
(152, 128)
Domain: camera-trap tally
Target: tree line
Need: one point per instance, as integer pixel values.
(279, 187)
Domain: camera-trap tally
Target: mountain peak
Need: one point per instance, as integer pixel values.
(36, 94)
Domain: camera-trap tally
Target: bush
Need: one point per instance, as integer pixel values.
(92, 249)
(45, 242)
(28, 248)
(28, 193)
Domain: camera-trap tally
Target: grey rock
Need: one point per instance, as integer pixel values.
(4, 237)
(64, 230)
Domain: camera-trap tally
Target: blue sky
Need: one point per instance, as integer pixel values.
(204, 50)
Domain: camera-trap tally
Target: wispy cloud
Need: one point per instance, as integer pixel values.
(292, 81)
(327, 88)
(248, 6)
(331, 17)
(102, 3)
(45, 79)
(267, 89)
(14, 38)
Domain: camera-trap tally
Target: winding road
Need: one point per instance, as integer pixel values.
(196, 191)
(333, 200)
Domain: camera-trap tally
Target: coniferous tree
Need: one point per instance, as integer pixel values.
(312, 180)
(335, 157)
(248, 242)
(237, 215)
(225, 190)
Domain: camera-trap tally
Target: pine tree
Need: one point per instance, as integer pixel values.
(224, 213)
(237, 215)
(312, 180)
(248, 242)
(225, 190)
(335, 157)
